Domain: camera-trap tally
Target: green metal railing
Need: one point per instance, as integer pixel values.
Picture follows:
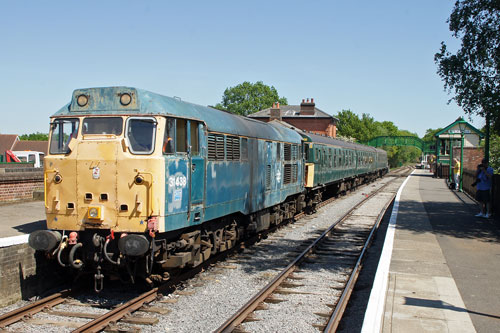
(402, 141)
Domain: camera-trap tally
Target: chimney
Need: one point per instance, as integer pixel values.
(307, 107)
(275, 112)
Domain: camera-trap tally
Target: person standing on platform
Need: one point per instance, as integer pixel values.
(484, 177)
(456, 173)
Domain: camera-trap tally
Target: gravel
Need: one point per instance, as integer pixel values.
(206, 301)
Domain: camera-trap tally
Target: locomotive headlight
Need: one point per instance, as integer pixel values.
(138, 180)
(94, 213)
(125, 99)
(57, 178)
(82, 100)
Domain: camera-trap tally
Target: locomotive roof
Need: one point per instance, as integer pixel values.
(106, 101)
(314, 138)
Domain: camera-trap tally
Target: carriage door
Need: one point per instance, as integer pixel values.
(197, 166)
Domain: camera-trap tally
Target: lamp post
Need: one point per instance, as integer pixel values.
(462, 124)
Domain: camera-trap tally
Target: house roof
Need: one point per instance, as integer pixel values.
(469, 127)
(7, 142)
(291, 111)
(42, 146)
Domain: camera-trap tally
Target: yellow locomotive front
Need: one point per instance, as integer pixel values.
(104, 179)
(98, 177)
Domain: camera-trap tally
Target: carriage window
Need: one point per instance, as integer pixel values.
(102, 125)
(194, 137)
(63, 131)
(181, 135)
(278, 151)
(141, 135)
(168, 138)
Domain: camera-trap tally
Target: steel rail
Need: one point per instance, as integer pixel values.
(337, 313)
(33, 308)
(119, 312)
(238, 317)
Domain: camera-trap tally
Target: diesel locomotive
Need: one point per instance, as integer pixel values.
(139, 185)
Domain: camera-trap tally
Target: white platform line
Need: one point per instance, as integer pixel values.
(376, 304)
(14, 240)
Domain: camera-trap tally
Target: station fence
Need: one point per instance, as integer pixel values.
(469, 177)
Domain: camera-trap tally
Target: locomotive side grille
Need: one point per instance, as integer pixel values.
(268, 177)
(229, 148)
(232, 148)
(236, 148)
(211, 147)
(287, 174)
(219, 147)
(294, 173)
(287, 151)
(294, 152)
(215, 147)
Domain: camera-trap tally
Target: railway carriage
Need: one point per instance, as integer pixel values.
(334, 165)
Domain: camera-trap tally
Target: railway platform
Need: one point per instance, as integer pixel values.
(439, 270)
(19, 219)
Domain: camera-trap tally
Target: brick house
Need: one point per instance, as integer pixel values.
(449, 144)
(305, 116)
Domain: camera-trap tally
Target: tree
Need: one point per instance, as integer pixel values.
(473, 73)
(35, 136)
(429, 134)
(495, 153)
(247, 98)
(363, 129)
(349, 125)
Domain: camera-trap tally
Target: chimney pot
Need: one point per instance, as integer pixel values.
(303, 100)
(312, 100)
(278, 105)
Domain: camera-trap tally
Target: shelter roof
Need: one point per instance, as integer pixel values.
(469, 129)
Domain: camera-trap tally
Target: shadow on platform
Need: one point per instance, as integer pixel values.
(32, 226)
(437, 304)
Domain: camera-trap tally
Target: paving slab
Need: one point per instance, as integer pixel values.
(21, 218)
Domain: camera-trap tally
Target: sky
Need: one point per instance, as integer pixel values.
(374, 57)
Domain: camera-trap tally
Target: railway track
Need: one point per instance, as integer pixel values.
(33, 308)
(339, 250)
(123, 312)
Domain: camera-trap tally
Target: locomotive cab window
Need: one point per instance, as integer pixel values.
(168, 138)
(102, 125)
(181, 135)
(193, 130)
(141, 133)
(62, 132)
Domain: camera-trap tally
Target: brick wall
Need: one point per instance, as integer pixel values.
(24, 274)
(472, 156)
(18, 185)
(315, 125)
